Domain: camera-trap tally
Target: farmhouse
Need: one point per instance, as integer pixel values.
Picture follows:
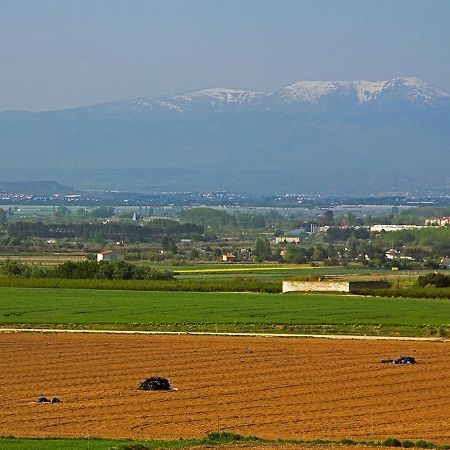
(109, 255)
(332, 286)
(229, 257)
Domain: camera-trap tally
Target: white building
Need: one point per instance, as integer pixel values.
(287, 240)
(108, 255)
(379, 228)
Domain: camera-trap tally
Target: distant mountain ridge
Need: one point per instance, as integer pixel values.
(329, 127)
(34, 187)
(311, 93)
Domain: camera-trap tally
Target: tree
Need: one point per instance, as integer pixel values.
(328, 217)
(194, 254)
(102, 211)
(3, 220)
(295, 254)
(62, 212)
(262, 249)
(168, 244)
(319, 253)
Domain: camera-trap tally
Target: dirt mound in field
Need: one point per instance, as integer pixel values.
(155, 384)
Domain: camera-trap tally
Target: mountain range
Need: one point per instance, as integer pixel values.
(328, 135)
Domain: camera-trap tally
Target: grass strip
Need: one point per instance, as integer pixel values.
(409, 292)
(215, 439)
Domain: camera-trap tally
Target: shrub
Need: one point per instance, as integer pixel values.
(11, 268)
(391, 442)
(434, 279)
(424, 444)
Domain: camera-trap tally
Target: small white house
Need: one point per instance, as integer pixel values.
(109, 255)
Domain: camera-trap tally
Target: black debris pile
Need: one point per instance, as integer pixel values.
(401, 360)
(43, 399)
(155, 384)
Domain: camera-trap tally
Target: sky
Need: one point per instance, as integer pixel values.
(57, 54)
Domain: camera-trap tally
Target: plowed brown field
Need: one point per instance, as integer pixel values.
(270, 387)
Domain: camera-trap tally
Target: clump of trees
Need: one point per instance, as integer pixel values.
(434, 279)
(115, 270)
(216, 220)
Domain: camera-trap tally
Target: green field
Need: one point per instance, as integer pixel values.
(212, 440)
(262, 271)
(220, 311)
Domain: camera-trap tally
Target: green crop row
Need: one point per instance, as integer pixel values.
(234, 285)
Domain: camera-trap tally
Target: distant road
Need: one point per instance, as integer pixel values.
(201, 333)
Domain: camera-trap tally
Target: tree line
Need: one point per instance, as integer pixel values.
(99, 232)
(115, 270)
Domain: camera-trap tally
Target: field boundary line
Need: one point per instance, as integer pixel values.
(212, 333)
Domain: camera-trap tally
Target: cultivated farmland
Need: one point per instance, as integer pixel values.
(274, 388)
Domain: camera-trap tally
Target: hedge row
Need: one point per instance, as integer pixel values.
(105, 270)
(145, 285)
(428, 292)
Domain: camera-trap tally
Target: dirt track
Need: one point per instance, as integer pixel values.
(274, 388)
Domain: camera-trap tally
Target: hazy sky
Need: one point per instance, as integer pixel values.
(62, 53)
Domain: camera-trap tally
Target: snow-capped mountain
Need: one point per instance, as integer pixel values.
(359, 93)
(403, 123)
(308, 96)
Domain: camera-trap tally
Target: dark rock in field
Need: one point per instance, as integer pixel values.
(155, 384)
(43, 399)
(401, 360)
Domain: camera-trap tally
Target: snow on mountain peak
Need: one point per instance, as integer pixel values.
(308, 93)
(365, 91)
(417, 89)
(224, 95)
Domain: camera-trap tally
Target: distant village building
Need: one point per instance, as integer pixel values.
(109, 255)
(393, 254)
(287, 240)
(439, 221)
(445, 262)
(229, 257)
(245, 254)
(379, 228)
